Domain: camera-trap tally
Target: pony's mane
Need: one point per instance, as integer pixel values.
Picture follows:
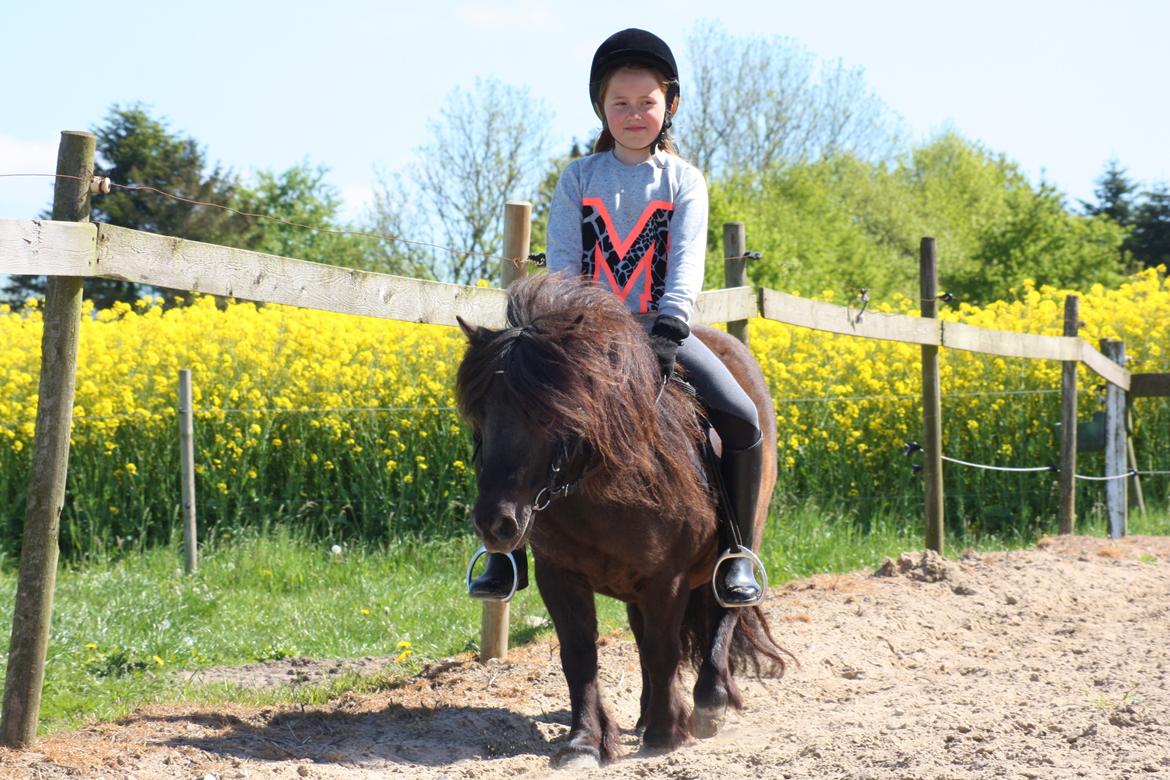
(580, 364)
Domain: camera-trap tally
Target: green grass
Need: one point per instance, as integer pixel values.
(122, 625)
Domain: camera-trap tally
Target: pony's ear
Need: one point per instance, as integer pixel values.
(474, 333)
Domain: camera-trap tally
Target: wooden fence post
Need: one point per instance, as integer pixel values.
(50, 460)
(932, 463)
(735, 270)
(517, 238)
(187, 471)
(1068, 423)
(493, 634)
(1115, 441)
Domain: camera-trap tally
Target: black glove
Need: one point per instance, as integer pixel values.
(665, 338)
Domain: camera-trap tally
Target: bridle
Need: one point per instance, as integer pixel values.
(568, 449)
(554, 488)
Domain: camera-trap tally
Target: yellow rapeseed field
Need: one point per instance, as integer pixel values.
(349, 423)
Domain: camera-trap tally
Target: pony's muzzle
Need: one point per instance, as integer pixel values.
(501, 526)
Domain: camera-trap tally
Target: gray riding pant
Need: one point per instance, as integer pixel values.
(730, 410)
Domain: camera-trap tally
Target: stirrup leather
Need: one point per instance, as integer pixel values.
(728, 555)
(482, 551)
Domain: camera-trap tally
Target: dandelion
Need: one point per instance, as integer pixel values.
(404, 651)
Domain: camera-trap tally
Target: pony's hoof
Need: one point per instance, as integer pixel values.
(708, 720)
(577, 757)
(579, 761)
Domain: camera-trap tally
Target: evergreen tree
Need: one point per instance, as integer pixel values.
(1150, 240)
(1114, 194)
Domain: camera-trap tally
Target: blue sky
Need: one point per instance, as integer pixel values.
(1059, 87)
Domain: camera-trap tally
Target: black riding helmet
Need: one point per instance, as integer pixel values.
(634, 47)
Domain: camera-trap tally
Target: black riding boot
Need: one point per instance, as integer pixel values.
(496, 581)
(735, 582)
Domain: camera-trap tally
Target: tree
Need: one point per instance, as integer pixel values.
(843, 223)
(756, 102)
(303, 220)
(1114, 194)
(396, 217)
(1150, 240)
(487, 146)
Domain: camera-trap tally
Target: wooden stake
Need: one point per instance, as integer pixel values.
(932, 464)
(50, 460)
(493, 634)
(187, 471)
(1115, 465)
(1068, 424)
(1133, 466)
(517, 238)
(735, 270)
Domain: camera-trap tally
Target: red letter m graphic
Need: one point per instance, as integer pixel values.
(622, 275)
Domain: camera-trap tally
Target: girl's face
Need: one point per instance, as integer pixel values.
(635, 107)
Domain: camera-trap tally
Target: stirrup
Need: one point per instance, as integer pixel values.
(482, 551)
(728, 555)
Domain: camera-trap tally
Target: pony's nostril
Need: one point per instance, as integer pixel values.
(497, 524)
(505, 525)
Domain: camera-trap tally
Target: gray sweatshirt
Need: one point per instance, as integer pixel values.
(639, 230)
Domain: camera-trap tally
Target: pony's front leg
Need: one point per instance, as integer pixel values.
(666, 718)
(593, 735)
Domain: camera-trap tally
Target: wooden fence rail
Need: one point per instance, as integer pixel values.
(44, 247)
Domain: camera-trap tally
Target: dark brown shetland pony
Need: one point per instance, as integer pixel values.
(568, 394)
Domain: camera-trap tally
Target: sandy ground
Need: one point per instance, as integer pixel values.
(1046, 663)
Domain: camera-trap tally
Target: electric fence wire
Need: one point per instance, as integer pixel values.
(909, 396)
(912, 447)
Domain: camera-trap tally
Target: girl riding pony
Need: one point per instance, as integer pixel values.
(632, 217)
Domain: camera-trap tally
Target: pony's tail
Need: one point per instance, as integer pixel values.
(753, 648)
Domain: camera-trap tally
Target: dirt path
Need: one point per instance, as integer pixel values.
(1048, 663)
